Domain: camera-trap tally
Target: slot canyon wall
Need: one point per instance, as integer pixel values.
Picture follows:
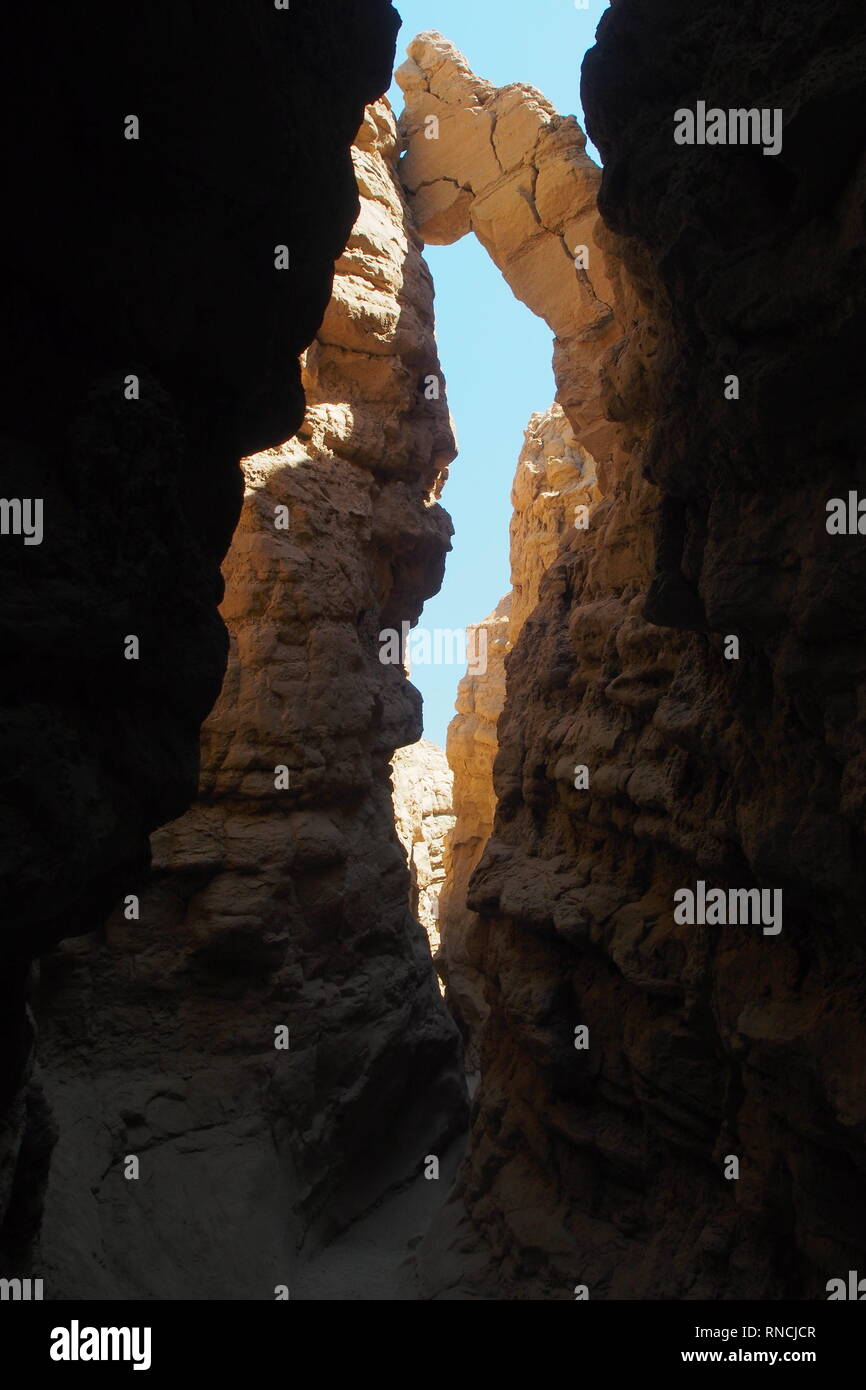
(280, 905)
(555, 489)
(279, 893)
(602, 1167)
(155, 258)
(471, 748)
(423, 814)
(501, 163)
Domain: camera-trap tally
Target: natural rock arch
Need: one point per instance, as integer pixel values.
(502, 163)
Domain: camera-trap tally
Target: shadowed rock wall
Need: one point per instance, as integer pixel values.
(281, 899)
(554, 491)
(605, 1166)
(601, 1166)
(153, 257)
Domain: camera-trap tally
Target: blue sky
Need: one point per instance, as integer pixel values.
(495, 354)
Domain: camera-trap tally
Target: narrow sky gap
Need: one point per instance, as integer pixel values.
(497, 357)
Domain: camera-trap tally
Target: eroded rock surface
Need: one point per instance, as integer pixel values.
(423, 801)
(555, 491)
(605, 1166)
(501, 162)
(601, 1166)
(154, 258)
(282, 896)
(471, 748)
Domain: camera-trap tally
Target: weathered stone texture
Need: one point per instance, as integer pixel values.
(506, 166)
(272, 906)
(471, 749)
(423, 797)
(154, 258)
(554, 484)
(605, 1166)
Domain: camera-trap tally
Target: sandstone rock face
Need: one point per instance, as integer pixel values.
(555, 490)
(280, 905)
(163, 269)
(502, 163)
(423, 797)
(555, 493)
(280, 900)
(605, 1165)
(471, 749)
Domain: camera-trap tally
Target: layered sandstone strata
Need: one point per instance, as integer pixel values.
(502, 163)
(555, 492)
(471, 748)
(601, 1167)
(604, 1166)
(423, 814)
(162, 269)
(281, 899)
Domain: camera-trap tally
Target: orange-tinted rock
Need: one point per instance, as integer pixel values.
(605, 1165)
(148, 260)
(554, 490)
(282, 897)
(502, 163)
(423, 801)
(471, 749)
